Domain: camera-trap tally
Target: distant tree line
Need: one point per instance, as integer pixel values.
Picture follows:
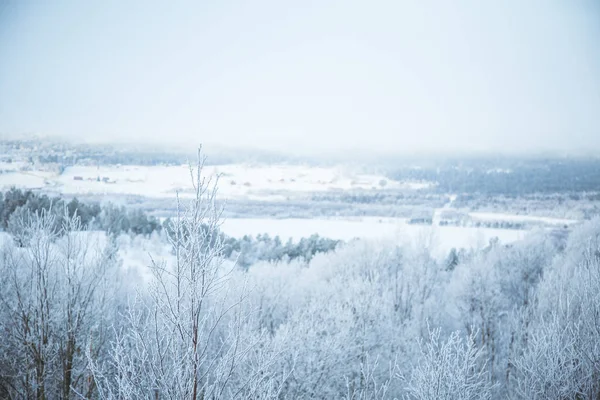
(520, 177)
(67, 154)
(249, 249)
(17, 205)
(391, 197)
(485, 224)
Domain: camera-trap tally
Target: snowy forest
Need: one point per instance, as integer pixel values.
(401, 200)
(356, 320)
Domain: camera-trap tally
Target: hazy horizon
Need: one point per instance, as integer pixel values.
(383, 77)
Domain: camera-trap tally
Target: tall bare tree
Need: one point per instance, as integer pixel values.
(183, 338)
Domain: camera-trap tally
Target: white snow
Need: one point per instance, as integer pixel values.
(12, 166)
(441, 238)
(25, 179)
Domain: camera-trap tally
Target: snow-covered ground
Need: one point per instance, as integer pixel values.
(26, 179)
(441, 238)
(13, 166)
(236, 180)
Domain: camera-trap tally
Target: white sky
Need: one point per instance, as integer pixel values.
(398, 75)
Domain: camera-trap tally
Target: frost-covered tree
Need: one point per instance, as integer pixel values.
(52, 303)
(493, 293)
(561, 356)
(184, 337)
(452, 369)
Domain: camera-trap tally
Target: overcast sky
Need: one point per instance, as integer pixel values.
(308, 75)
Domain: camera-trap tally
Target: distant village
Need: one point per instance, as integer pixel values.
(104, 179)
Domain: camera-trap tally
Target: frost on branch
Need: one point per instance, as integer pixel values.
(452, 369)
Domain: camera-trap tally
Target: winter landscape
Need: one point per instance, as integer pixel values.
(340, 201)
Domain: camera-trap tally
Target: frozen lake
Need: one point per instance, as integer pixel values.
(442, 238)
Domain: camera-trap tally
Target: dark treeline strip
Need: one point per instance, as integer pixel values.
(517, 178)
(16, 204)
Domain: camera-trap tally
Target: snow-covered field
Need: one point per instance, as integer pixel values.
(236, 180)
(26, 179)
(440, 238)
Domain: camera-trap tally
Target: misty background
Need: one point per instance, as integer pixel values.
(381, 76)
